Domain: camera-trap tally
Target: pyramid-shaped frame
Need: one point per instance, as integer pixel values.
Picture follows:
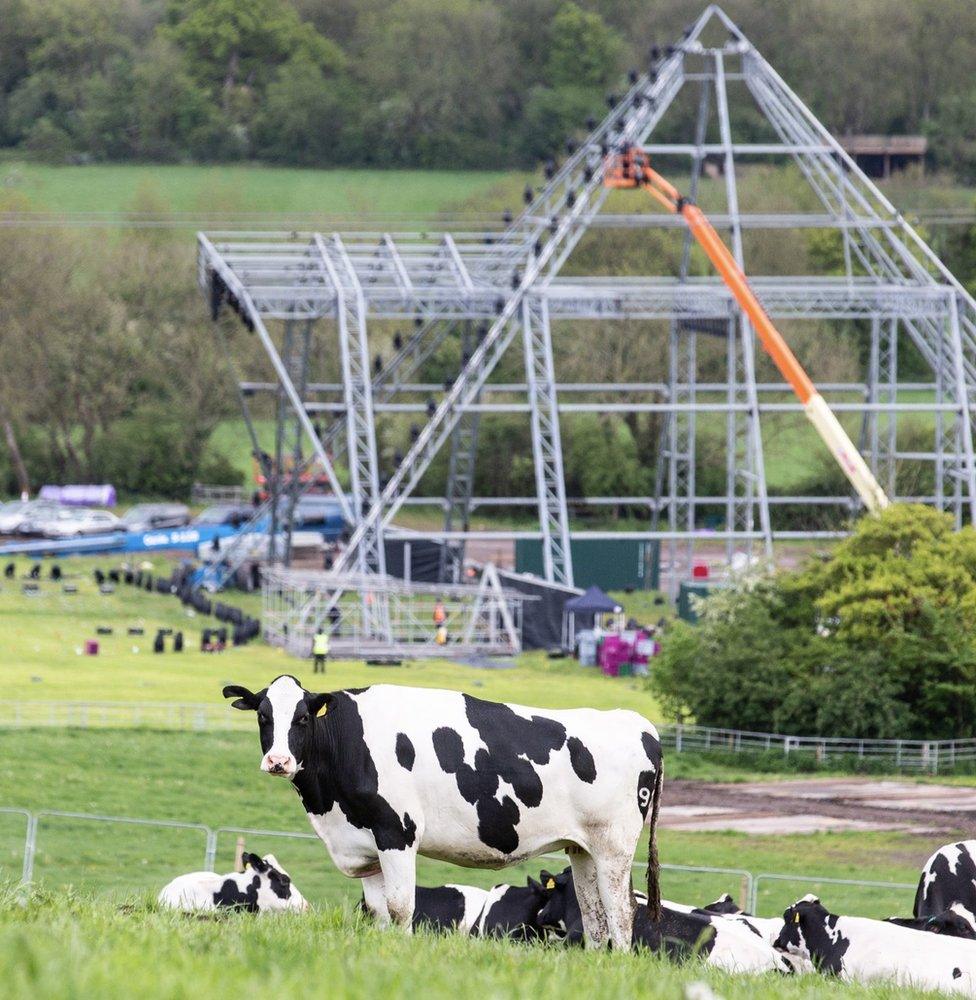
(511, 282)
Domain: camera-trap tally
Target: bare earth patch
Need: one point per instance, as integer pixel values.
(819, 804)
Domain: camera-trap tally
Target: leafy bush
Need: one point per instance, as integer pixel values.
(875, 641)
(150, 454)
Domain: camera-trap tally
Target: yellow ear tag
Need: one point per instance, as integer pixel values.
(796, 918)
(321, 711)
(551, 884)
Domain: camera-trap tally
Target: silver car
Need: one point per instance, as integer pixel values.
(73, 522)
(15, 514)
(152, 516)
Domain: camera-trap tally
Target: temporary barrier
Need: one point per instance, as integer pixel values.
(925, 756)
(749, 885)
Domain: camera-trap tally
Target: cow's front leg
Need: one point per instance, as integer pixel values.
(374, 898)
(399, 886)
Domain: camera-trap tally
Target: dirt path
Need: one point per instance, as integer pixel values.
(819, 804)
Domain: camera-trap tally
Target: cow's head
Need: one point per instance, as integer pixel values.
(811, 931)
(286, 720)
(561, 915)
(282, 895)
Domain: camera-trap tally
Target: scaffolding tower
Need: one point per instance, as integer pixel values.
(520, 282)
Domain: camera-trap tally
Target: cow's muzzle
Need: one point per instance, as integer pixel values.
(280, 765)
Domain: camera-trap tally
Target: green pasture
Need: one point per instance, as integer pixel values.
(213, 779)
(70, 946)
(42, 636)
(223, 189)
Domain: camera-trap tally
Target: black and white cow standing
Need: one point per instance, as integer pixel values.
(263, 887)
(386, 773)
(860, 950)
(948, 877)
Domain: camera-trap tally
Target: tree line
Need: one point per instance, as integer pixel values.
(460, 83)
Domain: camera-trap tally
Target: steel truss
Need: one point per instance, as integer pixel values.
(482, 620)
(511, 282)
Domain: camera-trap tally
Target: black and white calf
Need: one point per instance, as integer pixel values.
(262, 887)
(446, 907)
(860, 950)
(768, 928)
(948, 877)
(386, 773)
(957, 921)
(683, 931)
(512, 911)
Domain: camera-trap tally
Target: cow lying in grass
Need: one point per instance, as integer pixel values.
(504, 911)
(386, 773)
(948, 877)
(264, 886)
(768, 928)
(957, 921)
(860, 950)
(682, 933)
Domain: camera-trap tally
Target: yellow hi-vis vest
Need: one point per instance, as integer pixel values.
(320, 645)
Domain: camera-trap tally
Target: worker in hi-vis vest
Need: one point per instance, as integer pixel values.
(320, 650)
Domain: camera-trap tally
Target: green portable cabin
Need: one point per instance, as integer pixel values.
(611, 564)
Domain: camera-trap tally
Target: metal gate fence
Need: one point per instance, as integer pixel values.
(749, 885)
(918, 756)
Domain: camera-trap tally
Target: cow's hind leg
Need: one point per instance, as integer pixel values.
(374, 899)
(613, 880)
(399, 885)
(588, 893)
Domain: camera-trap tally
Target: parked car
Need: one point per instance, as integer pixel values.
(224, 513)
(16, 513)
(73, 522)
(149, 516)
(314, 512)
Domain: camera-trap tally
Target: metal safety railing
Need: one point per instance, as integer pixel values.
(927, 756)
(923, 756)
(820, 880)
(748, 883)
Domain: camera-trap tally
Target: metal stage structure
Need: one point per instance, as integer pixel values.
(482, 620)
(515, 289)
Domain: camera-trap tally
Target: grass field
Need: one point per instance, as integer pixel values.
(73, 937)
(89, 928)
(210, 190)
(73, 948)
(213, 779)
(43, 635)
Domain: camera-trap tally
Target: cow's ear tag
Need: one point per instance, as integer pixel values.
(796, 918)
(551, 884)
(321, 711)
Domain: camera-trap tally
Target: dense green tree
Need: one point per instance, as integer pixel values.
(875, 641)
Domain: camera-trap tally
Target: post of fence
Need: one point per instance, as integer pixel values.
(677, 738)
(30, 849)
(210, 859)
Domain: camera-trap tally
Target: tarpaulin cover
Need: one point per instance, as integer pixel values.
(593, 602)
(542, 619)
(80, 495)
(425, 558)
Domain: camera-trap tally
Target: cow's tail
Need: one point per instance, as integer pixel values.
(653, 865)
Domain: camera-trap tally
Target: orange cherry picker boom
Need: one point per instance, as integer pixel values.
(632, 169)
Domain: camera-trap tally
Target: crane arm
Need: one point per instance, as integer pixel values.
(632, 169)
